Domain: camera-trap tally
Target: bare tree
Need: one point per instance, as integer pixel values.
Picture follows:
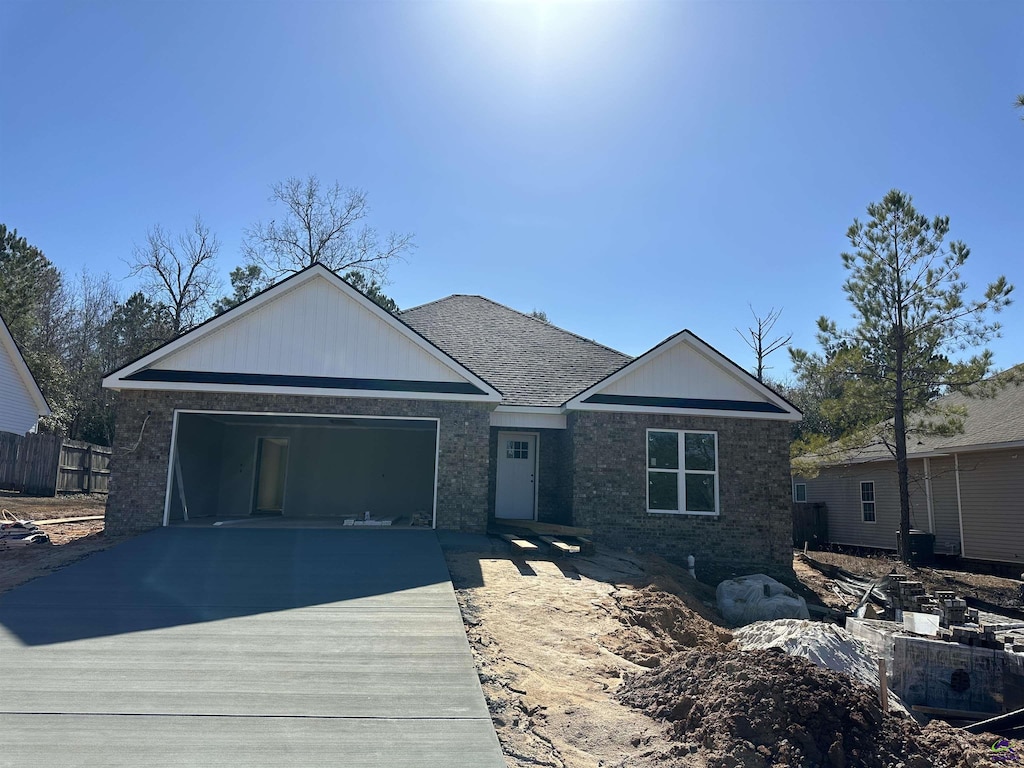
(756, 337)
(179, 272)
(322, 225)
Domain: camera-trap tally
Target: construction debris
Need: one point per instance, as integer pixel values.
(17, 532)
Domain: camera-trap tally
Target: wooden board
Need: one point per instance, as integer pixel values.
(519, 544)
(549, 529)
(560, 546)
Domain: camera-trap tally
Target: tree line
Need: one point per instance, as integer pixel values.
(74, 329)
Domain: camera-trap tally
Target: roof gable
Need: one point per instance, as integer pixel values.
(312, 332)
(685, 375)
(532, 362)
(21, 401)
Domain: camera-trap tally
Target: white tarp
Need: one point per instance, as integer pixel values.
(758, 598)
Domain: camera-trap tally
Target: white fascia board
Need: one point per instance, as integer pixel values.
(116, 379)
(713, 356)
(174, 386)
(685, 411)
(42, 407)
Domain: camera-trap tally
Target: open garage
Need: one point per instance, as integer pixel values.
(367, 470)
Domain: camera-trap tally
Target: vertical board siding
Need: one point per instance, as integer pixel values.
(992, 492)
(682, 369)
(84, 467)
(312, 330)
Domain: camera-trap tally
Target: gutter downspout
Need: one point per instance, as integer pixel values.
(928, 495)
(959, 504)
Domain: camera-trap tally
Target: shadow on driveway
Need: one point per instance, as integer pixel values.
(177, 576)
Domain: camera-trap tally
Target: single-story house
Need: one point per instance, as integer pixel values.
(309, 400)
(967, 489)
(21, 402)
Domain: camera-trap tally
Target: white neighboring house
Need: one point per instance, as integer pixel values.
(21, 402)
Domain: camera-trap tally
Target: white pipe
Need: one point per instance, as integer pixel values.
(959, 504)
(691, 565)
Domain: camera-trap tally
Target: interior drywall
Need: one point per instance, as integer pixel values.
(199, 447)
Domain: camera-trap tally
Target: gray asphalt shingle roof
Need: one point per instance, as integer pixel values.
(529, 361)
(990, 420)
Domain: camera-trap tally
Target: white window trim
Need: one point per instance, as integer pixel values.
(873, 502)
(795, 494)
(681, 472)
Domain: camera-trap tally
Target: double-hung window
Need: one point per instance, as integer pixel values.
(800, 492)
(682, 472)
(867, 501)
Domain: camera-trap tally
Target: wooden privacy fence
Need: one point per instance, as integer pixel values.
(810, 524)
(43, 465)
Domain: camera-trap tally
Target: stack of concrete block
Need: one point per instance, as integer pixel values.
(953, 611)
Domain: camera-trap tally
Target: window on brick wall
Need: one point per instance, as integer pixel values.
(867, 501)
(682, 472)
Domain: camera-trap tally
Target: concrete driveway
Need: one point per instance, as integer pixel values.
(244, 647)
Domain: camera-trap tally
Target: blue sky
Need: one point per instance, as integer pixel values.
(630, 168)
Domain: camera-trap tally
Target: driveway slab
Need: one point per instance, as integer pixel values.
(244, 647)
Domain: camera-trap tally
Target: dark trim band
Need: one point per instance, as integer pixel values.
(305, 382)
(685, 402)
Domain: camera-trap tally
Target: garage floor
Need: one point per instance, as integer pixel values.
(251, 647)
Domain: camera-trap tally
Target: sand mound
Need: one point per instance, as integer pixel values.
(754, 709)
(657, 624)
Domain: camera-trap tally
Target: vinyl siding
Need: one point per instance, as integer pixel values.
(947, 518)
(992, 492)
(311, 330)
(839, 489)
(682, 371)
(17, 410)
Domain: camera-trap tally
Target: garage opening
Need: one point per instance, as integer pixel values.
(347, 470)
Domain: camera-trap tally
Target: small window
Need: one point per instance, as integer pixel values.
(800, 492)
(867, 501)
(517, 449)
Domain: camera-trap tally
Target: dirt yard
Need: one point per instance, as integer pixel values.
(68, 541)
(992, 589)
(618, 661)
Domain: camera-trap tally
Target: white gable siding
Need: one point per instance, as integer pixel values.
(312, 330)
(682, 372)
(18, 412)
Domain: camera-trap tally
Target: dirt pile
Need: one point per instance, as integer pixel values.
(754, 709)
(656, 624)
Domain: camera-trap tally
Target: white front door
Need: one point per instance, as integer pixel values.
(515, 491)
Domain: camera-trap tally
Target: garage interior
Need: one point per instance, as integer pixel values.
(352, 471)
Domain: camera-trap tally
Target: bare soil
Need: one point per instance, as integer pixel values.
(69, 542)
(617, 660)
(997, 590)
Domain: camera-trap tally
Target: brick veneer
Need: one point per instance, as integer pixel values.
(753, 531)
(553, 505)
(139, 463)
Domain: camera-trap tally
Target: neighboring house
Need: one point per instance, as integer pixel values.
(967, 489)
(310, 400)
(21, 402)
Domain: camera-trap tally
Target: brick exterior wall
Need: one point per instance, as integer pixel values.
(553, 494)
(752, 533)
(140, 459)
